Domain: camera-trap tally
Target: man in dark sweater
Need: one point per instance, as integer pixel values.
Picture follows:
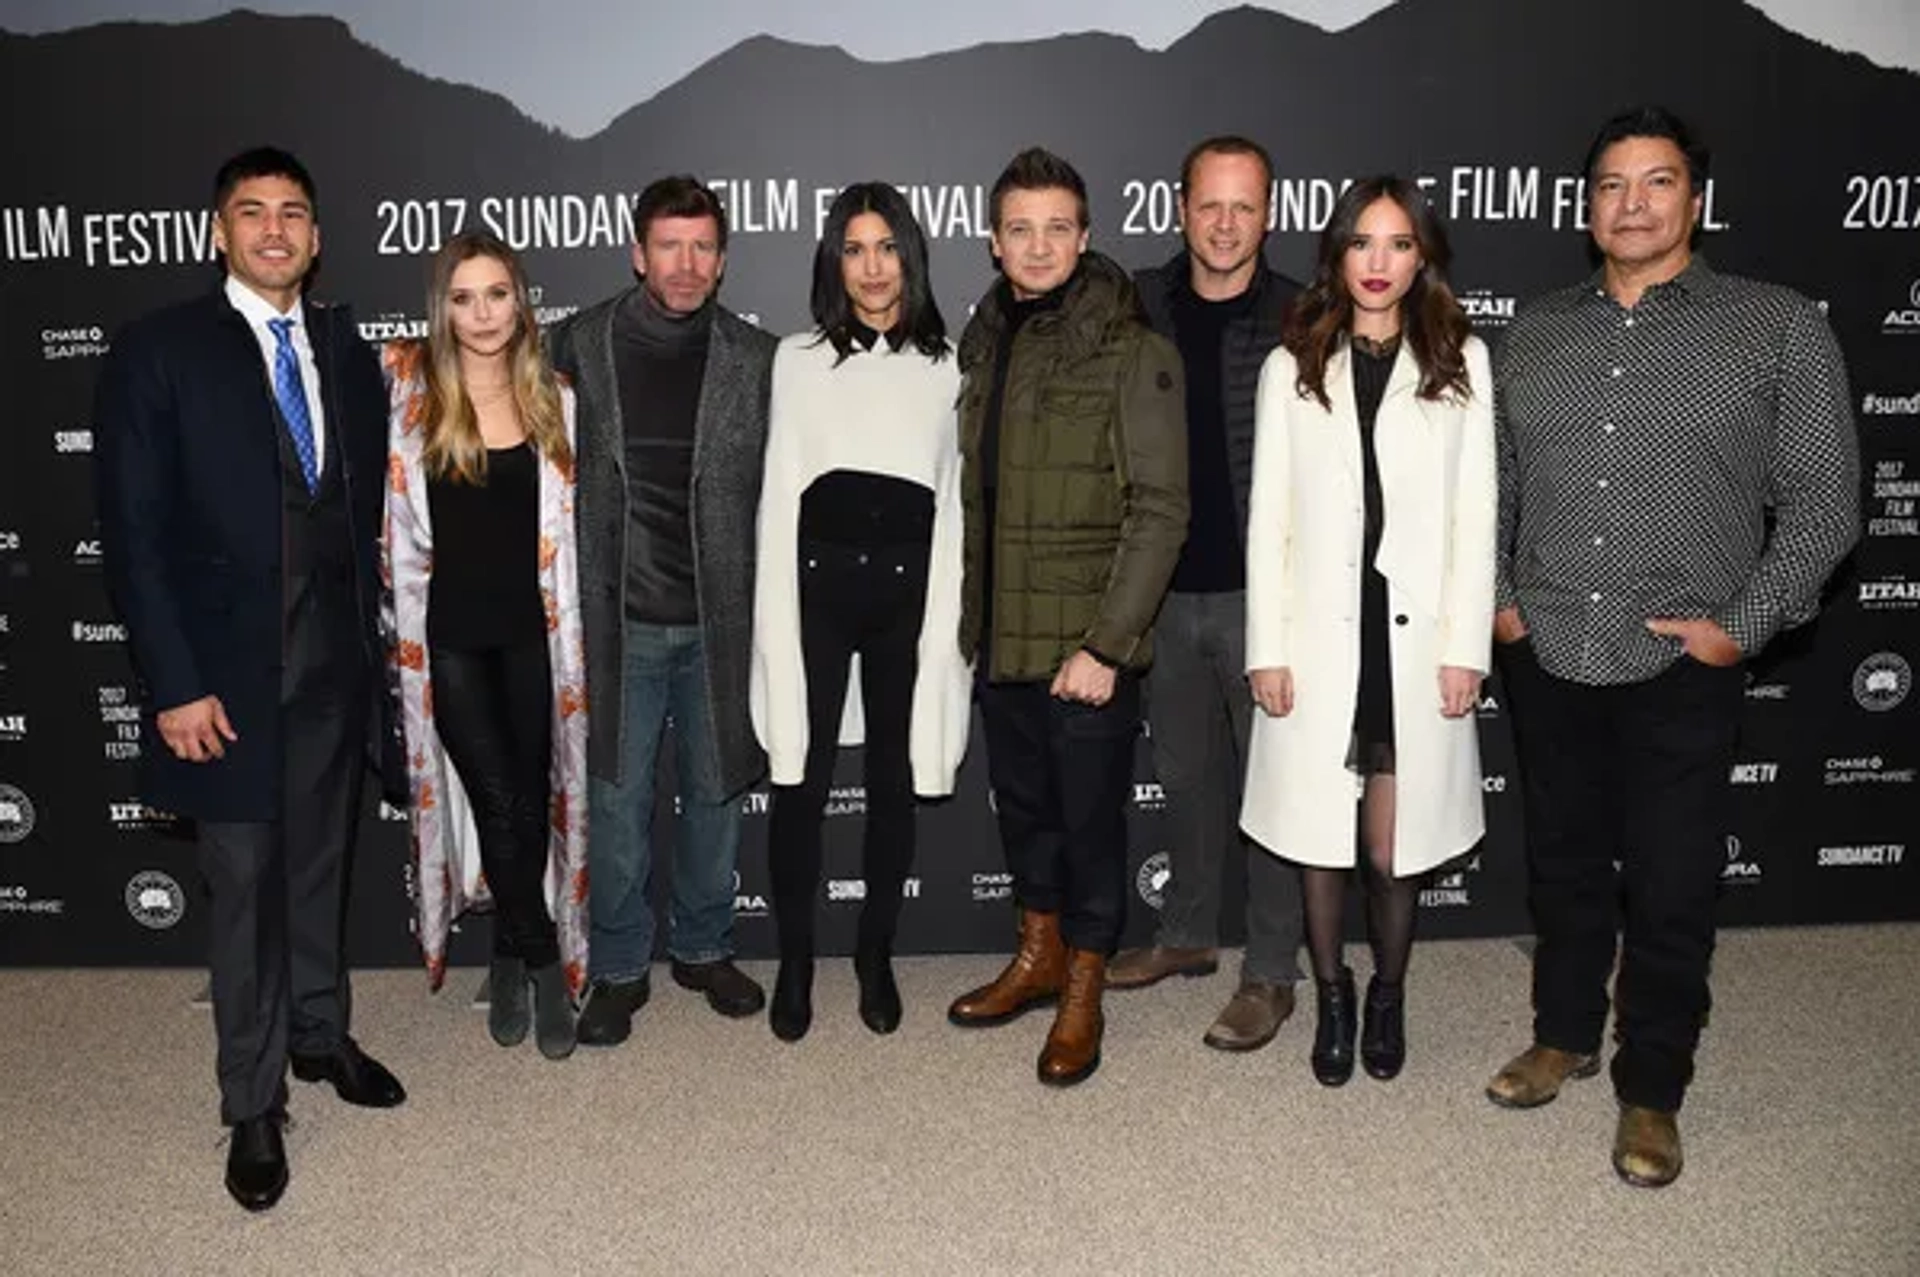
(672, 392)
(1221, 305)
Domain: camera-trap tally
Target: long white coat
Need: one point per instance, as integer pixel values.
(1304, 543)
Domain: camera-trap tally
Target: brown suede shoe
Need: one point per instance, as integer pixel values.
(1251, 1017)
(1033, 978)
(1534, 1076)
(1072, 1051)
(1646, 1147)
(1138, 968)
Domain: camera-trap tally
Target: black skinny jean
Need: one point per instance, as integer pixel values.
(866, 599)
(493, 707)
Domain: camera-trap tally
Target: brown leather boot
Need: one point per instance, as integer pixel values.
(1034, 977)
(1072, 1051)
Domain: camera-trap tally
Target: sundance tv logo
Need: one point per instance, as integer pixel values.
(66, 442)
(1754, 773)
(844, 890)
(1883, 855)
(99, 632)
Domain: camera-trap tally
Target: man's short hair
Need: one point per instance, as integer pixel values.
(1225, 144)
(1037, 169)
(680, 195)
(1652, 121)
(263, 161)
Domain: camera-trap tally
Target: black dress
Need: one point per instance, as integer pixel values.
(1371, 752)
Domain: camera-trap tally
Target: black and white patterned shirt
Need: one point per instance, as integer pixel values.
(1641, 453)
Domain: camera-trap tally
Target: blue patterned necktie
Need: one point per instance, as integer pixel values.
(292, 394)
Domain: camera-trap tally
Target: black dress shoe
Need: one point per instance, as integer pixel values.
(257, 1162)
(791, 1011)
(730, 991)
(879, 995)
(607, 1019)
(357, 1077)
(1383, 1030)
(1334, 1030)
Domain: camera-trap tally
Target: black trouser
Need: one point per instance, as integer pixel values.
(1636, 774)
(493, 708)
(276, 889)
(1062, 773)
(869, 600)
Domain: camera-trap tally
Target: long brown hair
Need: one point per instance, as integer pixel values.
(1431, 321)
(454, 448)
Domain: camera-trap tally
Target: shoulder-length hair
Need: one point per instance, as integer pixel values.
(1431, 321)
(454, 448)
(920, 323)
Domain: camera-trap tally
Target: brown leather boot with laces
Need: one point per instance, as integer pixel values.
(1033, 978)
(1072, 1051)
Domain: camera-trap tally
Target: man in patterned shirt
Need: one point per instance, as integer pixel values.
(1678, 475)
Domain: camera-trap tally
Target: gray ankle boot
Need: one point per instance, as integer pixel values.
(552, 1012)
(507, 1016)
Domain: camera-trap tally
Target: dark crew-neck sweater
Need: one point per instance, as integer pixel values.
(660, 360)
(1212, 560)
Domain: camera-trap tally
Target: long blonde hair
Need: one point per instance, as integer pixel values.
(454, 448)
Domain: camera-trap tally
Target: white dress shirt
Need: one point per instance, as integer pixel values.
(257, 310)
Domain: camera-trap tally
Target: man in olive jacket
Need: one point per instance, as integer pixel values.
(1072, 425)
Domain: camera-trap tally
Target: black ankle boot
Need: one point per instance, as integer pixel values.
(791, 1010)
(508, 1013)
(1333, 1035)
(1383, 1035)
(879, 995)
(553, 1029)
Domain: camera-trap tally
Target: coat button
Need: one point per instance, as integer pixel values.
(1400, 619)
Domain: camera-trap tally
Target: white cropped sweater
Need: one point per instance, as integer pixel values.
(883, 412)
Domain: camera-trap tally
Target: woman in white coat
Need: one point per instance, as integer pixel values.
(1370, 549)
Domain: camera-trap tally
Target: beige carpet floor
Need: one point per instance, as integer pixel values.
(705, 1146)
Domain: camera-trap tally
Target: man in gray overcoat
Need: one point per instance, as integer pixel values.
(672, 391)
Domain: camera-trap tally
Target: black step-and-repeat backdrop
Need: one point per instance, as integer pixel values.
(115, 130)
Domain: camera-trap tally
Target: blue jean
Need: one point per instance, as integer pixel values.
(664, 680)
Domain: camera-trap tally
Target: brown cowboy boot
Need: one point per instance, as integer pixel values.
(1072, 1051)
(1033, 978)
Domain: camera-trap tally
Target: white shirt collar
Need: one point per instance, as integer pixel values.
(257, 310)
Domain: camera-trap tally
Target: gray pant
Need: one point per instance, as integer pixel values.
(1201, 714)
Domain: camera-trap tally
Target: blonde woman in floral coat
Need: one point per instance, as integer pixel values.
(479, 555)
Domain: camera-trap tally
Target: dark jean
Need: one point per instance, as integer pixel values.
(1062, 773)
(664, 680)
(1626, 801)
(1201, 712)
(867, 600)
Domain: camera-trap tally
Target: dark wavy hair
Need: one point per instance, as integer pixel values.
(1431, 321)
(920, 323)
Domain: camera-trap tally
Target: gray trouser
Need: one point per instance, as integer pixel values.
(1201, 714)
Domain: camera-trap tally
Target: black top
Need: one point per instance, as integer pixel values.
(485, 590)
(858, 507)
(1212, 560)
(660, 361)
(1373, 706)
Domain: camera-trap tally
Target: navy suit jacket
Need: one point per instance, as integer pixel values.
(189, 490)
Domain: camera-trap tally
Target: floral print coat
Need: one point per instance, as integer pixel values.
(447, 880)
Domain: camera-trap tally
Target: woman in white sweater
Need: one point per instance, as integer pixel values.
(859, 555)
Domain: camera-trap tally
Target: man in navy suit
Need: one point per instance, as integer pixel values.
(241, 447)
